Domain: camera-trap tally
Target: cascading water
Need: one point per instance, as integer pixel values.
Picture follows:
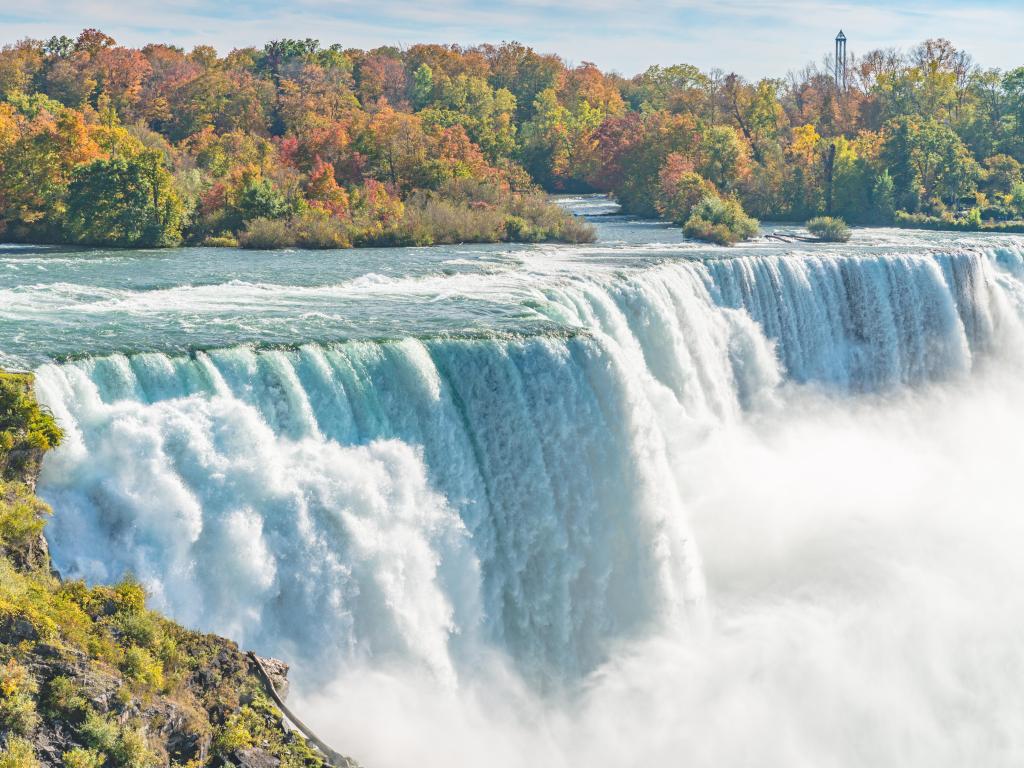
(297, 481)
(547, 496)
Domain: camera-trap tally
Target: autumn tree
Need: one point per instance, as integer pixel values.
(381, 79)
(120, 74)
(487, 115)
(522, 72)
(324, 192)
(37, 162)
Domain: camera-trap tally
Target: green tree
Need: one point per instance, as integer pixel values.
(546, 139)
(852, 178)
(422, 86)
(680, 87)
(1002, 172)
(258, 198)
(486, 114)
(944, 168)
(1017, 199)
(1013, 88)
(721, 156)
(896, 159)
(883, 199)
(680, 189)
(523, 72)
(124, 201)
(36, 164)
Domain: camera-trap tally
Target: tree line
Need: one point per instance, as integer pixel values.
(297, 143)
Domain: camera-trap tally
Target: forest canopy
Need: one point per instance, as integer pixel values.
(301, 143)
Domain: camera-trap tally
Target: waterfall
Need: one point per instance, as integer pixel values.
(425, 500)
(377, 498)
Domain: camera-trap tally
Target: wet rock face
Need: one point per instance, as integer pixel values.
(31, 555)
(23, 544)
(277, 671)
(174, 727)
(22, 462)
(254, 757)
(15, 629)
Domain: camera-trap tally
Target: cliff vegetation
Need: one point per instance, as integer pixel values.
(92, 678)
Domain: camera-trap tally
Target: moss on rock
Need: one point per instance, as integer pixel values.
(27, 430)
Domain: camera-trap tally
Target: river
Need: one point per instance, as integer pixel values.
(642, 501)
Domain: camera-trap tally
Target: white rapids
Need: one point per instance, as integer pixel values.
(755, 510)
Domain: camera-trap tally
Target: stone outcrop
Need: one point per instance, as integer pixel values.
(90, 677)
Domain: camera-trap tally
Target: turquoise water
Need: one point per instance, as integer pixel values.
(57, 303)
(600, 504)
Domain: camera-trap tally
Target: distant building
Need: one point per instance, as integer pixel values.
(841, 61)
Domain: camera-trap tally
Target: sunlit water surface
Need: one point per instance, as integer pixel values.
(640, 502)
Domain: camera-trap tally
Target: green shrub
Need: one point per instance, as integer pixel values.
(17, 703)
(99, 732)
(550, 222)
(130, 595)
(318, 229)
(311, 229)
(18, 753)
(36, 598)
(220, 241)
(18, 715)
(234, 735)
(66, 698)
(575, 230)
(139, 666)
(679, 195)
(26, 428)
(829, 229)
(126, 745)
(83, 758)
(139, 627)
(431, 219)
(266, 235)
(906, 220)
(132, 750)
(21, 515)
(518, 230)
(720, 220)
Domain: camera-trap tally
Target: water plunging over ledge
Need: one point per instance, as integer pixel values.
(566, 499)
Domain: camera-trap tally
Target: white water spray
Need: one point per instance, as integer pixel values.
(445, 523)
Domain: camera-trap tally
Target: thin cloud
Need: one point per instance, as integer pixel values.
(753, 37)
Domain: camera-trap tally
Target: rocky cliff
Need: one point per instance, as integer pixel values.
(90, 677)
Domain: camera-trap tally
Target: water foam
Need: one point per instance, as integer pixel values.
(497, 512)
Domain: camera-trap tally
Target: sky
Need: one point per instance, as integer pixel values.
(753, 37)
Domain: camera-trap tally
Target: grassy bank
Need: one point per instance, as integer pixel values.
(946, 223)
(463, 211)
